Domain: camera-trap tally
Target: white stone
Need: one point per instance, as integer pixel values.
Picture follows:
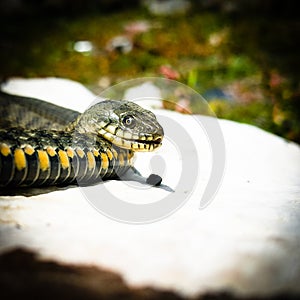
(246, 241)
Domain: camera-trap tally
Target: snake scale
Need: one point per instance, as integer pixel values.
(42, 144)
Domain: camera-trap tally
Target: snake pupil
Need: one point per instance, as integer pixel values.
(129, 121)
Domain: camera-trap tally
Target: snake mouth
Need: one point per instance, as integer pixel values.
(145, 145)
(132, 142)
(156, 141)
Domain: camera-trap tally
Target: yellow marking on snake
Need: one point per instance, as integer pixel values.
(70, 152)
(109, 154)
(64, 160)
(91, 160)
(51, 151)
(29, 150)
(80, 152)
(96, 153)
(20, 159)
(44, 160)
(129, 158)
(130, 154)
(105, 163)
(111, 128)
(121, 159)
(4, 149)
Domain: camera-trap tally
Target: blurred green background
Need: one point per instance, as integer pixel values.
(242, 57)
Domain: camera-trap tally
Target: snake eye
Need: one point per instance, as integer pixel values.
(129, 121)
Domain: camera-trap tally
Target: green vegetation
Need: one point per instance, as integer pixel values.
(255, 63)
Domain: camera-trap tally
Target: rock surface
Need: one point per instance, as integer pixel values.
(246, 241)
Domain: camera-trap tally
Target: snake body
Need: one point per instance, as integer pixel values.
(42, 144)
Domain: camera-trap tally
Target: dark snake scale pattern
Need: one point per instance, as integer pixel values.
(42, 144)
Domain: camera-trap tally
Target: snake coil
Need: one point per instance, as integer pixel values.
(42, 144)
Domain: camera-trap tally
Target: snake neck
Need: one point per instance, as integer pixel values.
(72, 126)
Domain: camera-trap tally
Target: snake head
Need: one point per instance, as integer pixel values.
(125, 124)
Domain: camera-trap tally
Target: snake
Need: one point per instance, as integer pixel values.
(43, 144)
